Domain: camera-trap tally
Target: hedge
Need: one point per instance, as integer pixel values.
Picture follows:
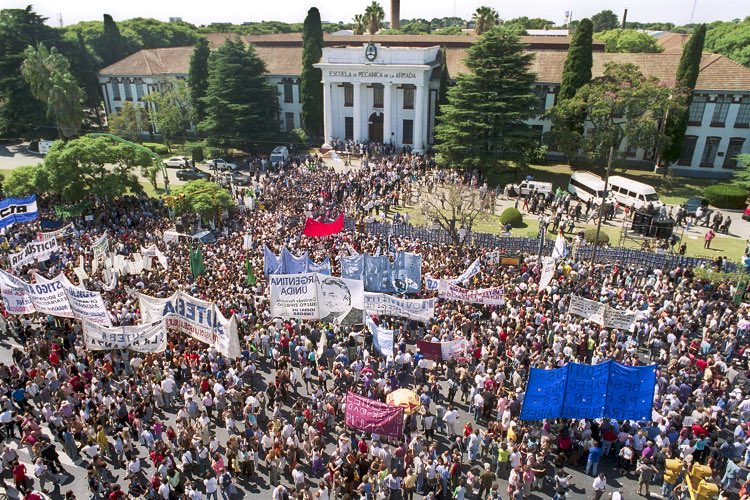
(726, 196)
(157, 148)
(590, 235)
(511, 216)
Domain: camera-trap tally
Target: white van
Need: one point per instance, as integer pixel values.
(633, 193)
(279, 153)
(586, 186)
(527, 187)
(44, 146)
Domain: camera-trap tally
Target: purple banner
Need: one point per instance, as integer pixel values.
(373, 416)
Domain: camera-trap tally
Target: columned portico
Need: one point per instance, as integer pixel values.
(378, 93)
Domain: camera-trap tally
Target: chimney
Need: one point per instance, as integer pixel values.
(624, 18)
(395, 14)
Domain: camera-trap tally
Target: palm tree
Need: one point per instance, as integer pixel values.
(359, 24)
(374, 15)
(485, 18)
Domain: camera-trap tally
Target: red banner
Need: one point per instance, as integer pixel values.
(373, 416)
(314, 228)
(430, 350)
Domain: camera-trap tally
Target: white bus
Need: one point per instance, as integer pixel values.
(587, 186)
(633, 193)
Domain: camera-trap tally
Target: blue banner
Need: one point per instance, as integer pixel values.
(353, 267)
(291, 264)
(378, 275)
(323, 268)
(14, 210)
(287, 263)
(609, 390)
(271, 263)
(407, 273)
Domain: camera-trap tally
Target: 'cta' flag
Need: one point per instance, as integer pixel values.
(14, 210)
(314, 228)
(373, 416)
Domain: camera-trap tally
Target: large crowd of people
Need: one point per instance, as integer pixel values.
(190, 423)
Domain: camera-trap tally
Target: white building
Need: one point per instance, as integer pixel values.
(391, 97)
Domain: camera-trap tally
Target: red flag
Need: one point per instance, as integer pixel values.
(314, 228)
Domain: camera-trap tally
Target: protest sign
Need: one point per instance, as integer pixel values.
(373, 416)
(471, 271)
(151, 252)
(316, 229)
(15, 297)
(486, 296)
(33, 251)
(317, 297)
(14, 210)
(146, 338)
(379, 275)
(288, 263)
(47, 296)
(548, 271)
(57, 233)
(621, 319)
(381, 304)
(589, 309)
(85, 304)
(382, 339)
(438, 351)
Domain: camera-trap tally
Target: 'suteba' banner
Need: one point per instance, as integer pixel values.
(377, 272)
(602, 314)
(288, 263)
(151, 337)
(382, 339)
(197, 318)
(606, 390)
(381, 304)
(373, 416)
(57, 233)
(548, 271)
(314, 296)
(486, 296)
(14, 210)
(316, 229)
(34, 251)
(438, 351)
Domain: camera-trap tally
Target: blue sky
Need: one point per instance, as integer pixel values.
(237, 11)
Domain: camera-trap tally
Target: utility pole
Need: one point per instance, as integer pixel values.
(601, 205)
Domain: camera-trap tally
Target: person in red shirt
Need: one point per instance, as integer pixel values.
(19, 476)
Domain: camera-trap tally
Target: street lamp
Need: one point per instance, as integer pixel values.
(601, 205)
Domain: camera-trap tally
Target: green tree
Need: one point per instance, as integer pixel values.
(374, 15)
(48, 74)
(129, 123)
(687, 76)
(241, 106)
(198, 76)
(202, 197)
(536, 23)
(618, 40)
(417, 27)
(20, 114)
(482, 126)
(153, 33)
(84, 67)
(87, 165)
(445, 82)
(171, 110)
(449, 30)
(311, 90)
(485, 18)
(113, 46)
(21, 181)
(577, 68)
(621, 106)
(360, 24)
(731, 39)
(605, 20)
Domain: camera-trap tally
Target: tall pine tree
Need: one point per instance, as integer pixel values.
(198, 76)
(482, 125)
(687, 76)
(112, 44)
(577, 69)
(311, 90)
(241, 106)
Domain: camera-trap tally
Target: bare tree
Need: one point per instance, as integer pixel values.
(455, 208)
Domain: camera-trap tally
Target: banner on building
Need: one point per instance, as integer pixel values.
(34, 251)
(194, 317)
(602, 314)
(14, 210)
(61, 233)
(438, 351)
(380, 304)
(373, 416)
(377, 272)
(382, 339)
(288, 263)
(486, 296)
(548, 272)
(606, 390)
(313, 296)
(146, 338)
(315, 228)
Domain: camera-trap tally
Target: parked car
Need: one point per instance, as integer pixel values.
(220, 164)
(691, 204)
(279, 154)
(236, 178)
(178, 162)
(746, 214)
(204, 236)
(193, 174)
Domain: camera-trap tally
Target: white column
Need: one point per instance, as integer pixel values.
(419, 119)
(357, 111)
(387, 117)
(327, 130)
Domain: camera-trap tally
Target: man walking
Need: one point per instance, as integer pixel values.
(592, 464)
(600, 486)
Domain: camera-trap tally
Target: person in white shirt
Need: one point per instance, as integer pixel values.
(211, 487)
(451, 419)
(600, 486)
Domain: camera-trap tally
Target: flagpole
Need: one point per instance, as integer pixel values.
(601, 206)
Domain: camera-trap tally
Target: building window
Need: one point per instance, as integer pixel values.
(720, 111)
(289, 121)
(348, 95)
(710, 151)
(377, 95)
(288, 90)
(409, 96)
(697, 107)
(115, 90)
(541, 100)
(743, 114)
(735, 148)
(128, 91)
(687, 151)
(139, 90)
(407, 136)
(348, 128)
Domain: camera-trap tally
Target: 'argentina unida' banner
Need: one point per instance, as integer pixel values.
(35, 251)
(150, 337)
(315, 296)
(14, 210)
(381, 304)
(486, 296)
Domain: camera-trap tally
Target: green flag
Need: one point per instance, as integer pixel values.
(249, 274)
(196, 261)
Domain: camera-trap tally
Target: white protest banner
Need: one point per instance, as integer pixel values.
(200, 319)
(147, 338)
(620, 319)
(151, 252)
(33, 251)
(548, 271)
(589, 309)
(471, 271)
(57, 233)
(486, 296)
(86, 304)
(381, 304)
(81, 274)
(382, 339)
(454, 348)
(101, 246)
(15, 297)
(247, 242)
(48, 296)
(316, 296)
(431, 283)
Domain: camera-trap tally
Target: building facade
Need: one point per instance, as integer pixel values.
(383, 88)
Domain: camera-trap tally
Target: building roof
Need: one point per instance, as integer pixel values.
(283, 56)
(672, 43)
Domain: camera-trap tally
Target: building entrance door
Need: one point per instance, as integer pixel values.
(375, 132)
